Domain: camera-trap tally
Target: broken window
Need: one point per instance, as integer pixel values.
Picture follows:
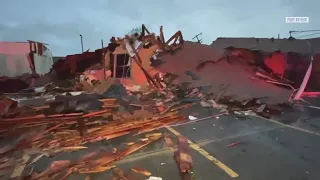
(123, 66)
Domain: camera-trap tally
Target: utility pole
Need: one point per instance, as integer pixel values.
(290, 34)
(196, 37)
(81, 42)
(103, 61)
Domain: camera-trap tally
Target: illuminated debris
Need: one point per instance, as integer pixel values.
(184, 159)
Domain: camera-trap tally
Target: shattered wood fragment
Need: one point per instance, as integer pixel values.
(184, 159)
(68, 173)
(6, 105)
(8, 164)
(182, 107)
(153, 134)
(38, 158)
(82, 127)
(6, 149)
(261, 108)
(154, 178)
(144, 139)
(55, 167)
(74, 148)
(235, 144)
(141, 171)
(108, 101)
(169, 142)
(117, 172)
(183, 175)
(42, 133)
(129, 143)
(94, 113)
(205, 104)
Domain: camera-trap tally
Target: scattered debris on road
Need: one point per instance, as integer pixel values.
(184, 159)
(235, 144)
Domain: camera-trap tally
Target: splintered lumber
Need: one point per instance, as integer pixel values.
(93, 162)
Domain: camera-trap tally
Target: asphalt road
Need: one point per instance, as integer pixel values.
(269, 151)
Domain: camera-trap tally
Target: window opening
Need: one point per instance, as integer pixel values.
(123, 66)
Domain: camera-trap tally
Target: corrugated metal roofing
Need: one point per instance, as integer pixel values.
(270, 45)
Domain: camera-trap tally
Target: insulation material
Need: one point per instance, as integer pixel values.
(43, 63)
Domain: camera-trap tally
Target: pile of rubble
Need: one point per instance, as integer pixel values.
(82, 107)
(67, 123)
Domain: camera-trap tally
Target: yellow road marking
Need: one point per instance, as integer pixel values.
(20, 167)
(203, 152)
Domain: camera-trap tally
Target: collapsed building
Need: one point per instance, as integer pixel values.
(286, 58)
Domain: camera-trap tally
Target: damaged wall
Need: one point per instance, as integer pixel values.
(136, 74)
(43, 63)
(15, 59)
(145, 55)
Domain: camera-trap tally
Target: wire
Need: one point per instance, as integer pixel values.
(296, 32)
(308, 35)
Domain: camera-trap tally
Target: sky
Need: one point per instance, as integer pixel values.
(59, 23)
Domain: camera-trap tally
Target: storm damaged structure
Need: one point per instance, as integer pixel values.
(285, 58)
(128, 59)
(18, 58)
(20, 62)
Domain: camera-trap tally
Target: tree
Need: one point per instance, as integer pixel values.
(136, 30)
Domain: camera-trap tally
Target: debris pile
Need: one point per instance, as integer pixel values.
(68, 123)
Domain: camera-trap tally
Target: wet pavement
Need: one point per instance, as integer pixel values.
(269, 151)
